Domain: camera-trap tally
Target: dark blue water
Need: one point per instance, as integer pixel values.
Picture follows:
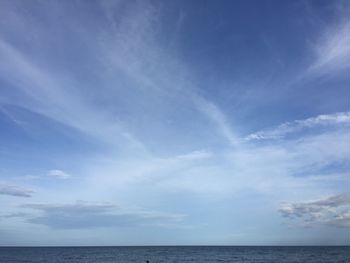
(175, 254)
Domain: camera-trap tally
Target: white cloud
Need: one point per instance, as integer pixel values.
(333, 50)
(125, 52)
(195, 155)
(304, 165)
(58, 174)
(134, 47)
(326, 120)
(48, 95)
(217, 116)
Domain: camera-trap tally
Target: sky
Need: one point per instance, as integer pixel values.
(174, 122)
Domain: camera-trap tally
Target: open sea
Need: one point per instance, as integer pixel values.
(179, 254)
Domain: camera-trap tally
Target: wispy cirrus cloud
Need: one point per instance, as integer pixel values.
(304, 162)
(12, 190)
(50, 97)
(124, 55)
(195, 155)
(214, 113)
(161, 140)
(283, 130)
(333, 51)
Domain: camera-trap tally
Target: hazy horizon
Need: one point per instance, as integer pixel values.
(174, 122)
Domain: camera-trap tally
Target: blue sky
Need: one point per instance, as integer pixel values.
(174, 122)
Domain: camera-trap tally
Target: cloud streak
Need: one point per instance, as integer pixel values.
(285, 129)
(95, 215)
(213, 112)
(333, 51)
(58, 174)
(15, 191)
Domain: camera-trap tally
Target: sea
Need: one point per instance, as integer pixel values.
(157, 254)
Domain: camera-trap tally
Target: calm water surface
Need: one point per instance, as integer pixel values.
(175, 254)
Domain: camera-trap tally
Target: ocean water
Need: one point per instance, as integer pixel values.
(175, 254)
